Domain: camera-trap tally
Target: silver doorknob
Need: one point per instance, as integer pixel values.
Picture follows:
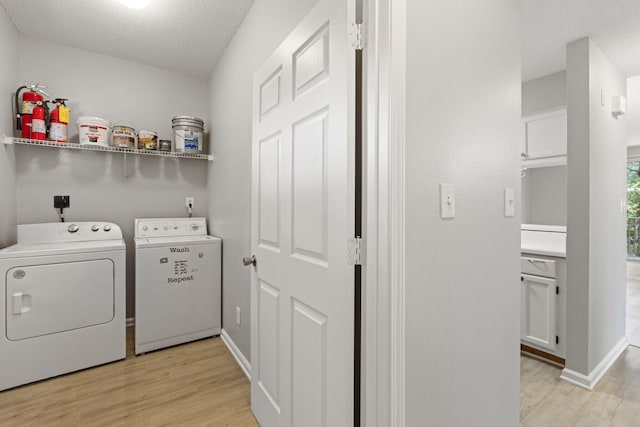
(249, 261)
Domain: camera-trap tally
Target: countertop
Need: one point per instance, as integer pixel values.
(542, 242)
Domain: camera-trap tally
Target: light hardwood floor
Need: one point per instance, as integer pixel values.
(547, 401)
(195, 384)
(200, 384)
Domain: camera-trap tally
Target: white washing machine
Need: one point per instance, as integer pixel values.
(178, 275)
(63, 300)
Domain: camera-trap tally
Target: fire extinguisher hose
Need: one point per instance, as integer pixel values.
(18, 109)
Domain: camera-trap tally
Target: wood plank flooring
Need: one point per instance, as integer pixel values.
(546, 400)
(200, 384)
(195, 384)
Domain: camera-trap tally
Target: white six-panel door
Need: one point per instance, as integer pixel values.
(302, 296)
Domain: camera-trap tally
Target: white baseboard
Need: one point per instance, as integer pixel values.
(590, 381)
(131, 321)
(237, 354)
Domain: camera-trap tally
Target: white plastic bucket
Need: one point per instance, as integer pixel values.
(123, 135)
(188, 134)
(94, 130)
(147, 140)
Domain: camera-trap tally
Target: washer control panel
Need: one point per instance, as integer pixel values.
(169, 227)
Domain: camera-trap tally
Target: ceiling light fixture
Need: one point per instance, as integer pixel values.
(135, 4)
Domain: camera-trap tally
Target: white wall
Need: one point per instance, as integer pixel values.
(544, 196)
(99, 187)
(596, 181)
(230, 85)
(8, 85)
(544, 190)
(544, 94)
(462, 274)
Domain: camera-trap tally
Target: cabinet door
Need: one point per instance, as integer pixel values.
(538, 315)
(546, 135)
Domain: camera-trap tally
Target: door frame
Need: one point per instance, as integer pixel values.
(383, 346)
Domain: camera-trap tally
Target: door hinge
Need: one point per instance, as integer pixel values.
(557, 339)
(357, 250)
(557, 290)
(356, 35)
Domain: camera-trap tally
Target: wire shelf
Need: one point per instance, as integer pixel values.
(75, 146)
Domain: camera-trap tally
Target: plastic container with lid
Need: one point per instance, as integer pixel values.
(147, 140)
(123, 135)
(188, 134)
(94, 130)
(164, 145)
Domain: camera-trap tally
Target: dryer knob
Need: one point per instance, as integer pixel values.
(107, 228)
(95, 228)
(73, 228)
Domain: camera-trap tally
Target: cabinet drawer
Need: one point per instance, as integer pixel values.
(538, 267)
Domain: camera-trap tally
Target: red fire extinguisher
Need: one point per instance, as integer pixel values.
(59, 121)
(38, 125)
(24, 112)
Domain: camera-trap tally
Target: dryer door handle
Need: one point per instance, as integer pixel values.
(21, 303)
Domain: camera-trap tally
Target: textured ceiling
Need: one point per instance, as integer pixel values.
(548, 25)
(182, 35)
(190, 35)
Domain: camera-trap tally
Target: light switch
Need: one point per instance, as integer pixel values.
(509, 202)
(447, 200)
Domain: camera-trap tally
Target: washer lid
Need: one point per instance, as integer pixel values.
(43, 249)
(154, 242)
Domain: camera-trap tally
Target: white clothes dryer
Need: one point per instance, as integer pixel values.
(178, 282)
(63, 300)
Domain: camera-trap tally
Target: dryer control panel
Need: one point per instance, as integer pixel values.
(68, 232)
(170, 227)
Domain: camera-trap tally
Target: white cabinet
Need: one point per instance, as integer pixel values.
(542, 299)
(538, 317)
(545, 142)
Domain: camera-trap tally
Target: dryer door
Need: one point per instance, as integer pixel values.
(51, 298)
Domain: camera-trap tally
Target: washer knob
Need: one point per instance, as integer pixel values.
(95, 228)
(195, 227)
(107, 228)
(145, 228)
(73, 228)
